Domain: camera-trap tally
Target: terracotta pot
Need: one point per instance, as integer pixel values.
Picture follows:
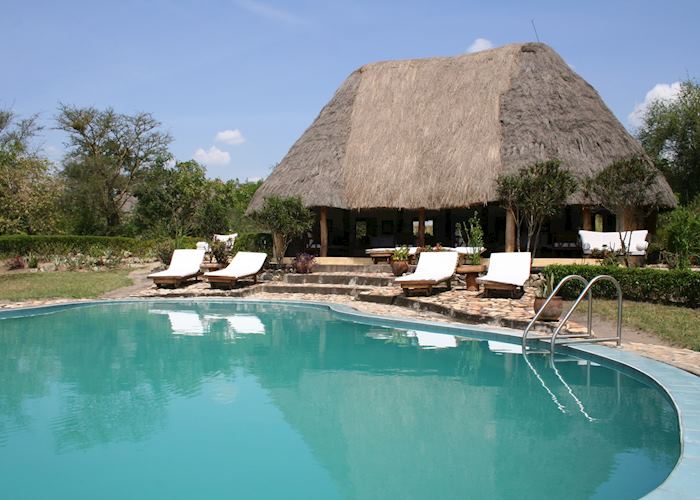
(399, 267)
(553, 310)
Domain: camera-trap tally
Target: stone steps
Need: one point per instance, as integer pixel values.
(310, 288)
(352, 268)
(338, 279)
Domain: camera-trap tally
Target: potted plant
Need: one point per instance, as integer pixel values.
(554, 309)
(220, 251)
(475, 242)
(399, 261)
(304, 263)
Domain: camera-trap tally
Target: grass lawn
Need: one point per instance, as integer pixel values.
(68, 284)
(678, 325)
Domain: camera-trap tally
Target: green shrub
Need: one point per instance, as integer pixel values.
(164, 251)
(675, 286)
(679, 236)
(32, 261)
(253, 242)
(47, 245)
(165, 247)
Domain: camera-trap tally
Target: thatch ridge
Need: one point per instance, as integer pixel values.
(435, 133)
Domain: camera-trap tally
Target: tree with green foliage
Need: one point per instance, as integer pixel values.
(679, 235)
(225, 206)
(509, 191)
(108, 153)
(628, 188)
(180, 200)
(670, 135)
(286, 218)
(168, 199)
(29, 192)
(534, 194)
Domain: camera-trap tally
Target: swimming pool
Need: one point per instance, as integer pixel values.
(220, 399)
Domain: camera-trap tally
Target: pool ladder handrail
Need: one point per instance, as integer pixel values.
(565, 280)
(587, 291)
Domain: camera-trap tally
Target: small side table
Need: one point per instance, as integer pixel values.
(471, 273)
(206, 267)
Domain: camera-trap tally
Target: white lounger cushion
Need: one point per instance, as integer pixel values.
(510, 268)
(225, 237)
(433, 266)
(370, 251)
(469, 250)
(243, 264)
(184, 262)
(635, 241)
(228, 239)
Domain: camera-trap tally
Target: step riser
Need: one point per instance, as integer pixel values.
(314, 289)
(372, 268)
(338, 280)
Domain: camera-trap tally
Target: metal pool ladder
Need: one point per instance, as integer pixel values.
(572, 338)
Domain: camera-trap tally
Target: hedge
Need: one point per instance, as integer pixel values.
(674, 287)
(46, 245)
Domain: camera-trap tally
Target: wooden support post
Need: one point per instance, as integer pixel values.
(587, 218)
(323, 222)
(510, 231)
(421, 228)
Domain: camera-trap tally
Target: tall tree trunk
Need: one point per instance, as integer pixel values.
(279, 247)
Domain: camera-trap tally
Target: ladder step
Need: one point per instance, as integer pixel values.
(583, 341)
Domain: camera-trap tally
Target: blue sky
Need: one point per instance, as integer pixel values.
(262, 70)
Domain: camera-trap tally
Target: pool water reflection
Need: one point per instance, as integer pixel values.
(220, 400)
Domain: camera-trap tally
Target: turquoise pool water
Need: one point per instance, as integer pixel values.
(230, 400)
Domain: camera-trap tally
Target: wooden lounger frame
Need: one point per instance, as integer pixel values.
(381, 256)
(425, 285)
(174, 281)
(514, 291)
(229, 282)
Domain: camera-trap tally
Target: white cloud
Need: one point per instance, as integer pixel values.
(660, 92)
(233, 137)
(269, 12)
(212, 156)
(53, 152)
(253, 179)
(480, 44)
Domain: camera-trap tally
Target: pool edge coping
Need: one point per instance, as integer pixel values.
(682, 388)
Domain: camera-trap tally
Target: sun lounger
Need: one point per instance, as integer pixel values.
(507, 272)
(433, 268)
(243, 265)
(184, 265)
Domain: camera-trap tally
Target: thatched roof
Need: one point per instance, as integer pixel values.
(436, 133)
